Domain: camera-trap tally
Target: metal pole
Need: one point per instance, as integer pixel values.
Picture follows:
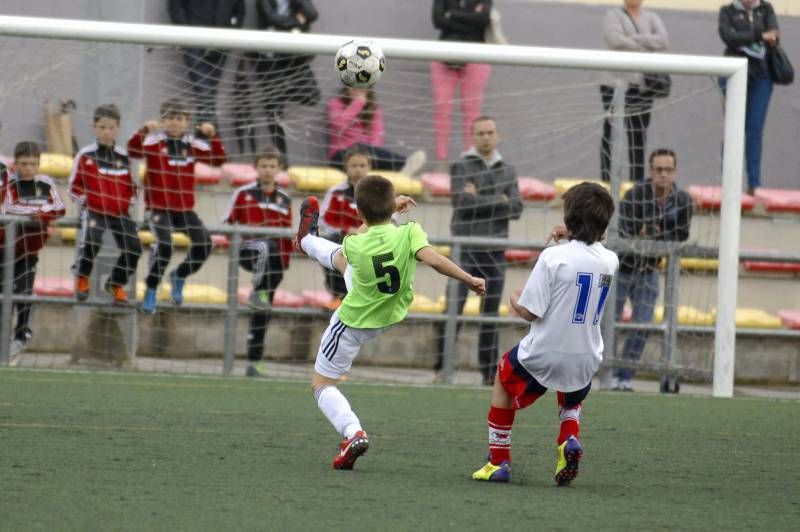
(670, 338)
(8, 292)
(451, 324)
(730, 219)
(231, 311)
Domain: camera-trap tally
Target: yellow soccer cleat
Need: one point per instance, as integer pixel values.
(568, 457)
(494, 473)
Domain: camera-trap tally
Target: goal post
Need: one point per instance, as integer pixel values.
(733, 69)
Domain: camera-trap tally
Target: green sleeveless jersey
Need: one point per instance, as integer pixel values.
(383, 261)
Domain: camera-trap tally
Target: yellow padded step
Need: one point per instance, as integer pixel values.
(55, 164)
(68, 234)
(178, 239)
(426, 305)
(192, 293)
(315, 178)
(757, 318)
(686, 316)
(565, 183)
(403, 184)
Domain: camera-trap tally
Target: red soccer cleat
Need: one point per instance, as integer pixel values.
(82, 288)
(350, 450)
(309, 221)
(117, 292)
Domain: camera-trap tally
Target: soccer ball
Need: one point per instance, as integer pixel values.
(360, 63)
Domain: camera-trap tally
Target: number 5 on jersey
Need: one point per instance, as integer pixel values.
(584, 283)
(382, 270)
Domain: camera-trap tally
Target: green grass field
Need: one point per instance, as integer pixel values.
(86, 451)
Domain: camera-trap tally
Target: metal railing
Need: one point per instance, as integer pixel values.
(669, 328)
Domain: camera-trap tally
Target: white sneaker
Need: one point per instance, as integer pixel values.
(414, 163)
(15, 352)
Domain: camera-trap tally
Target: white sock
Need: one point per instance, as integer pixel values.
(320, 250)
(337, 409)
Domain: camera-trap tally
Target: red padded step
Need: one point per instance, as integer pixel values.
(521, 255)
(531, 188)
(54, 286)
(772, 267)
(710, 197)
(779, 200)
(437, 184)
(240, 174)
(283, 298)
(207, 175)
(790, 318)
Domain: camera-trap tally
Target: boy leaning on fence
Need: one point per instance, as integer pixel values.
(102, 186)
(171, 152)
(262, 204)
(378, 267)
(30, 194)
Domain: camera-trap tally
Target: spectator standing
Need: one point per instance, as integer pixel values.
(277, 79)
(748, 28)
(630, 29)
(658, 210)
(485, 197)
(205, 65)
(356, 119)
(28, 193)
(262, 204)
(464, 21)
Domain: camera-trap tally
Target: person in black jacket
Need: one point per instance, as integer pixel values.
(278, 78)
(655, 209)
(485, 197)
(465, 21)
(205, 65)
(748, 28)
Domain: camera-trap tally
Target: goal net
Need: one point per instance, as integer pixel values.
(555, 126)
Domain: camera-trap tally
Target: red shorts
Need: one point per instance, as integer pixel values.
(524, 389)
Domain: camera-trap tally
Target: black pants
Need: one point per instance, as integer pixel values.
(163, 224)
(24, 277)
(637, 120)
(382, 159)
(263, 259)
(489, 265)
(205, 72)
(123, 229)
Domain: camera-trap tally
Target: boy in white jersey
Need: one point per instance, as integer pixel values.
(563, 299)
(378, 266)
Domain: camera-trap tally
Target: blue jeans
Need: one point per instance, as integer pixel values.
(642, 288)
(759, 91)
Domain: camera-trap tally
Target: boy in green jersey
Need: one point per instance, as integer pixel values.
(378, 265)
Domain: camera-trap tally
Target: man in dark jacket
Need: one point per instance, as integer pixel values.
(657, 210)
(485, 196)
(205, 66)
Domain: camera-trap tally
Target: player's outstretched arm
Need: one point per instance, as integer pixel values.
(403, 204)
(445, 266)
(521, 311)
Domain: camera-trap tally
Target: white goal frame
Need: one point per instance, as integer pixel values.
(734, 69)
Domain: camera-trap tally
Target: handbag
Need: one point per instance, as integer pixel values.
(780, 68)
(656, 84)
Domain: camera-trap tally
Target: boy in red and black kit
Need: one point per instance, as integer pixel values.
(262, 204)
(102, 185)
(338, 214)
(26, 193)
(170, 153)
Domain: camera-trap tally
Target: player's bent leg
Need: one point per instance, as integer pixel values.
(568, 457)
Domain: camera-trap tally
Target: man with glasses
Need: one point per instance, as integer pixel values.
(655, 209)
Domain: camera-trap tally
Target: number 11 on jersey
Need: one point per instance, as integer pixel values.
(584, 284)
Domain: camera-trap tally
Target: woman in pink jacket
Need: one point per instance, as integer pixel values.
(355, 118)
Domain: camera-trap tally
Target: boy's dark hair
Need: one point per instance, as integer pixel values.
(27, 148)
(357, 150)
(269, 152)
(587, 211)
(482, 118)
(660, 152)
(108, 110)
(375, 199)
(174, 107)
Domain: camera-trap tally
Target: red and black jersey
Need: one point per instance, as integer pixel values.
(169, 185)
(339, 214)
(250, 205)
(38, 199)
(101, 180)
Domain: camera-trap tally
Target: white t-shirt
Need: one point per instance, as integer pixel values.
(567, 291)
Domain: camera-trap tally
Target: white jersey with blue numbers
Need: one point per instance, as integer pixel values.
(567, 291)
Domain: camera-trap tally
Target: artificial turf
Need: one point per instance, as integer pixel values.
(84, 451)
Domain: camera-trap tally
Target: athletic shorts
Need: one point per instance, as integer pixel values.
(524, 389)
(339, 347)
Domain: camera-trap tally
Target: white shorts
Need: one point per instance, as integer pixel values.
(339, 347)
